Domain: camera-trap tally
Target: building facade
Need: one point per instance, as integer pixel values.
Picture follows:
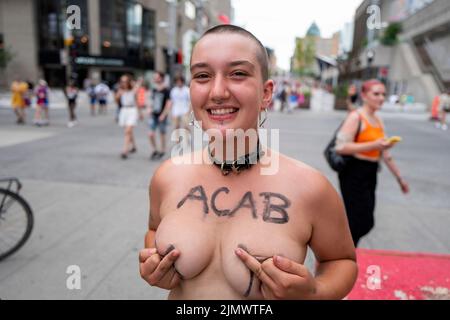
(101, 39)
(417, 63)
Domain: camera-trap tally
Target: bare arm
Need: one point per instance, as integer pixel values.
(154, 217)
(118, 95)
(155, 269)
(390, 163)
(167, 108)
(332, 245)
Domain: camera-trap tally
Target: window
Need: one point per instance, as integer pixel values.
(148, 39)
(50, 17)
(134, 29)
(113, 27)
(52, 28)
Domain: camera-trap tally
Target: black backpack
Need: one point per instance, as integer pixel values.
(336, 161)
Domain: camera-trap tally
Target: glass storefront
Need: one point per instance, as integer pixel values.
(148, 39)
(128, 31)
(113, 27)
(134, 29)
(52, 25)
(51, 17)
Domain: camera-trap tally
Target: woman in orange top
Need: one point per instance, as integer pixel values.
(367, 147)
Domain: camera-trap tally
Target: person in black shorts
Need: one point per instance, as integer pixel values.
(72, 95)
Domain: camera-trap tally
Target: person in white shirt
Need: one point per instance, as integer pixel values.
(102, 91)
(179, 95)
(128, 115)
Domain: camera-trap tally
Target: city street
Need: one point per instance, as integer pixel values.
(91, 207)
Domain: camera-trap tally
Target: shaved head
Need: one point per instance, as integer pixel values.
(261, 53)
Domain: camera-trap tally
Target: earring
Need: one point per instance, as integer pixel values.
(192, 121)
(262, 122)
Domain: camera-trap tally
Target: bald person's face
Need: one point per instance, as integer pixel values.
(227, 88)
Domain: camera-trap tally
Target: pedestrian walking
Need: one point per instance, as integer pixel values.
(29, 94)
(221, 229)
(128, 116)
(41, 115)
(363, 138)
(352, 98)
(18, 92)
(92, 97)
(71, 93)
(293, 99)
(116, 88)
(444, 107)
(159, 111)
(142, 98)
(102, 92)
(284, 94)
(179, 96)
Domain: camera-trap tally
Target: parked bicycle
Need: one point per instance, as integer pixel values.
(16, 218)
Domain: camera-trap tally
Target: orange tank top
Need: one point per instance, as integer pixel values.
(370, 133)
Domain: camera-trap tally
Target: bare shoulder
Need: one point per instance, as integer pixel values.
(312, 185)
(173, 169)
(353, 118)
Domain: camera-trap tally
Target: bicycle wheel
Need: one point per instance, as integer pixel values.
(16, 222)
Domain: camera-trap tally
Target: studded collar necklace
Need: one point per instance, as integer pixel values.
(242, 163)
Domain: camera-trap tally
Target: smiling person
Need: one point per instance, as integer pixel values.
(224, 230)
(362, 137)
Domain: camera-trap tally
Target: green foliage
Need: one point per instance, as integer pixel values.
(304, 55)
(365, 42)
(6, 55)
(341, 91)
(390, 36)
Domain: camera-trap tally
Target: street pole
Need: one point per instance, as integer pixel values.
(172, 37)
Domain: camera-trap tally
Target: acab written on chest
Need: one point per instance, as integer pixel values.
(198, 194)
(226, 310)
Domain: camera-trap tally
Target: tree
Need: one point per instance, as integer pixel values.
(6, 55)
(304, 55)
(390, 36)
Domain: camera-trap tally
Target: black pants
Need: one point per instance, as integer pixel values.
(72, 106)
(358, 182)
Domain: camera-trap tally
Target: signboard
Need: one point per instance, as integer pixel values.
(99, 61)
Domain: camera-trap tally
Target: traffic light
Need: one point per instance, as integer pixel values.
(179, 57)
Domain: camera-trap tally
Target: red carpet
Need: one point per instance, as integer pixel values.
(390, 275)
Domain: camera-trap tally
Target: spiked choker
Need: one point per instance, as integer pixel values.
(237, 166)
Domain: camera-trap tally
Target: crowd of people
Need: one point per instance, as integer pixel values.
(136, 100)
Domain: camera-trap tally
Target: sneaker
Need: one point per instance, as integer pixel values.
(154, 155)
(161, 155)
(438, 125)
(124, 156)
(444, 127)
(70, 124)
(133, 150)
